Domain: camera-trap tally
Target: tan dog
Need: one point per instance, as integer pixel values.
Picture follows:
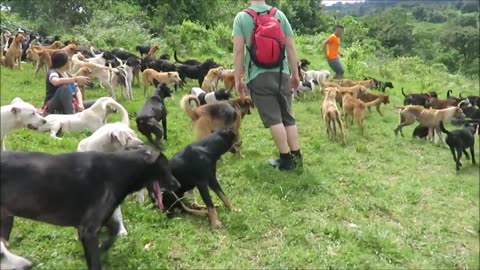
(354, 90)
(152, 51)
(427, 117)
(13, 55)
(102, 73)
(331, 115)
(55, 45)
(150, 74)
(355, 108)
(348, 83)
(223, 115)
(210, 81)
(83, 71)
(367, 97)
(45, 55)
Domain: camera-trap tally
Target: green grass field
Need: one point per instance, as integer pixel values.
(380, 202)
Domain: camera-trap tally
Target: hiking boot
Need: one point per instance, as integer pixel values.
(284, 163)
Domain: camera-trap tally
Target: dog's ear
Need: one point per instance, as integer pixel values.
(119, 136)
(17, 99)
(15, 110)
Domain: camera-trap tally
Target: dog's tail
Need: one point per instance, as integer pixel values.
(123, 113)
(185, 104)
(399, 107)
(374, 102)
(460, 95)
(403, 93)
(442, 128)
(175, 57)
(449, 92)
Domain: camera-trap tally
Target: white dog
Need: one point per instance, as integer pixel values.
(89, 119)
(17, 115)
(112, 137)
(319, 75)
(11, 261)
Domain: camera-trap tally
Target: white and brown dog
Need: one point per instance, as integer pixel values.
(212, 97)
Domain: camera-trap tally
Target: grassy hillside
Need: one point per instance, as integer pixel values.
(380, 202)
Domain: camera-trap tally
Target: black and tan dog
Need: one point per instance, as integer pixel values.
(459, 140)
(196, 166)
(152, 112)
(53, 190)
(224, 115)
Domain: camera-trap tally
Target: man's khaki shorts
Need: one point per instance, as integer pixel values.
(274, 105)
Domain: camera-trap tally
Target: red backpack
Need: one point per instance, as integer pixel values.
(267, 41)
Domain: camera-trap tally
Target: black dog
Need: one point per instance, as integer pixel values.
(79, 189)
(302, 65)
(196, 166)
(379, 84)
(421, 132)
(123, 54)
(196, 71)
(165, 56)
(418, 99)
(459, 140)
(474, 100)
(449, 96)
(191, 62)
(152, 112)
(142, 49)
(469, 111)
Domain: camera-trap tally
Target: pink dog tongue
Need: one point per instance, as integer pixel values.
(158, 193)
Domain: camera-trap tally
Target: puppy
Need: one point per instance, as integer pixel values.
(149, 75)
(427, 117)
(212, 97)
(209, 83)
(196, 166)
(458, 141)
(89, 119)
(79, 189)
(17, 115)
(223, 115)
(10, 261)
(331, 114)
(152, 112)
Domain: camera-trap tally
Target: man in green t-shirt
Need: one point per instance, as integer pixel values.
(274, 103)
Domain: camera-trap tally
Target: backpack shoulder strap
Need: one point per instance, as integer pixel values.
(251, 12)
(272, 11)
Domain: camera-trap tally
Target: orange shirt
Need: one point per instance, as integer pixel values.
(332, 47)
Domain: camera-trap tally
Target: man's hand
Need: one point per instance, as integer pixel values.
(295, 82)
(241, 88)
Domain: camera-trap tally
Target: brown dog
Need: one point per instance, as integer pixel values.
(13, 55)
(349, 83)
(45, 55)
(355, 108)
(224, 115)
(210, 81)
(367, 97)
(55, 45)
(427, 117)
(439, 104)
(354, 90)
(152, 51)
(228, 81)
(150, 74)
(83, 71)
(331, 115)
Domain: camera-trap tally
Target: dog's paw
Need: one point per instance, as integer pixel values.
(122, 232)
(57, 138)
(236, 209)
(217, 225)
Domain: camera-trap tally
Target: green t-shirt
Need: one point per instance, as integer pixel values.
(243, 26)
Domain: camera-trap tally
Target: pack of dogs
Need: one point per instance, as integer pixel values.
(85, 189)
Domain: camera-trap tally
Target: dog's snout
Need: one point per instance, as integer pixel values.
(44, 121)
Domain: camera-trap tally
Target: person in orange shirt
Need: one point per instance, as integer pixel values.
(330, 47)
